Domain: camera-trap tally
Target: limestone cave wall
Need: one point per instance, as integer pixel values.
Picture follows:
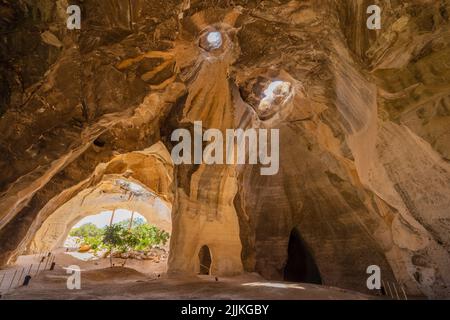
(364, 128)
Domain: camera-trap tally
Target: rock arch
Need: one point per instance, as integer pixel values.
(106, 196)
(364, 137)
(150, 168)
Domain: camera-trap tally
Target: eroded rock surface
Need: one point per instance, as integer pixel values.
(363, 116)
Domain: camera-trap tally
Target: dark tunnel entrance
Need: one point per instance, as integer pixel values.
(300, 265)
(204, 256)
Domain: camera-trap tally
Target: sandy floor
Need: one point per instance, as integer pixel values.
(141, 279)
(125, 283)
(146, 267)
(14, 276)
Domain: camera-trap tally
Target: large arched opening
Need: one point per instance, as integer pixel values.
(136, 183)
(110, 195)
(142, 216)
(143, 246)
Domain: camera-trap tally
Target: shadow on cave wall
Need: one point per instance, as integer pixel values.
(204, 257)
(300, 265)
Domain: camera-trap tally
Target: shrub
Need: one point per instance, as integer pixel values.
(86, 230)
(149, 236)
(118, 237)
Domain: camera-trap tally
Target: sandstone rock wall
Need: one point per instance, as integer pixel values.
(364, 131)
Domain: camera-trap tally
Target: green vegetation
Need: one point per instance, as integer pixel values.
(89, 234)
(86, 230)
(147, 236)
(136, 222)
(119, 236)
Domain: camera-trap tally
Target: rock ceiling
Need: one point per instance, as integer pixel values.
(363, 116)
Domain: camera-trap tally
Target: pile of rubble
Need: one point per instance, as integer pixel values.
(155, 254)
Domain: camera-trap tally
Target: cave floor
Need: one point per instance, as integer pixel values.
(126, 283)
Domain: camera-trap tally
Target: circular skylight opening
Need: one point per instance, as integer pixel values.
(277, 88)
(214, 39)
(273, 97)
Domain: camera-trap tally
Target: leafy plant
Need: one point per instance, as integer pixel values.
(149, 236)
(119, 237)
(112, 239)
(94, 242)
(86, 230)
(136, 222)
